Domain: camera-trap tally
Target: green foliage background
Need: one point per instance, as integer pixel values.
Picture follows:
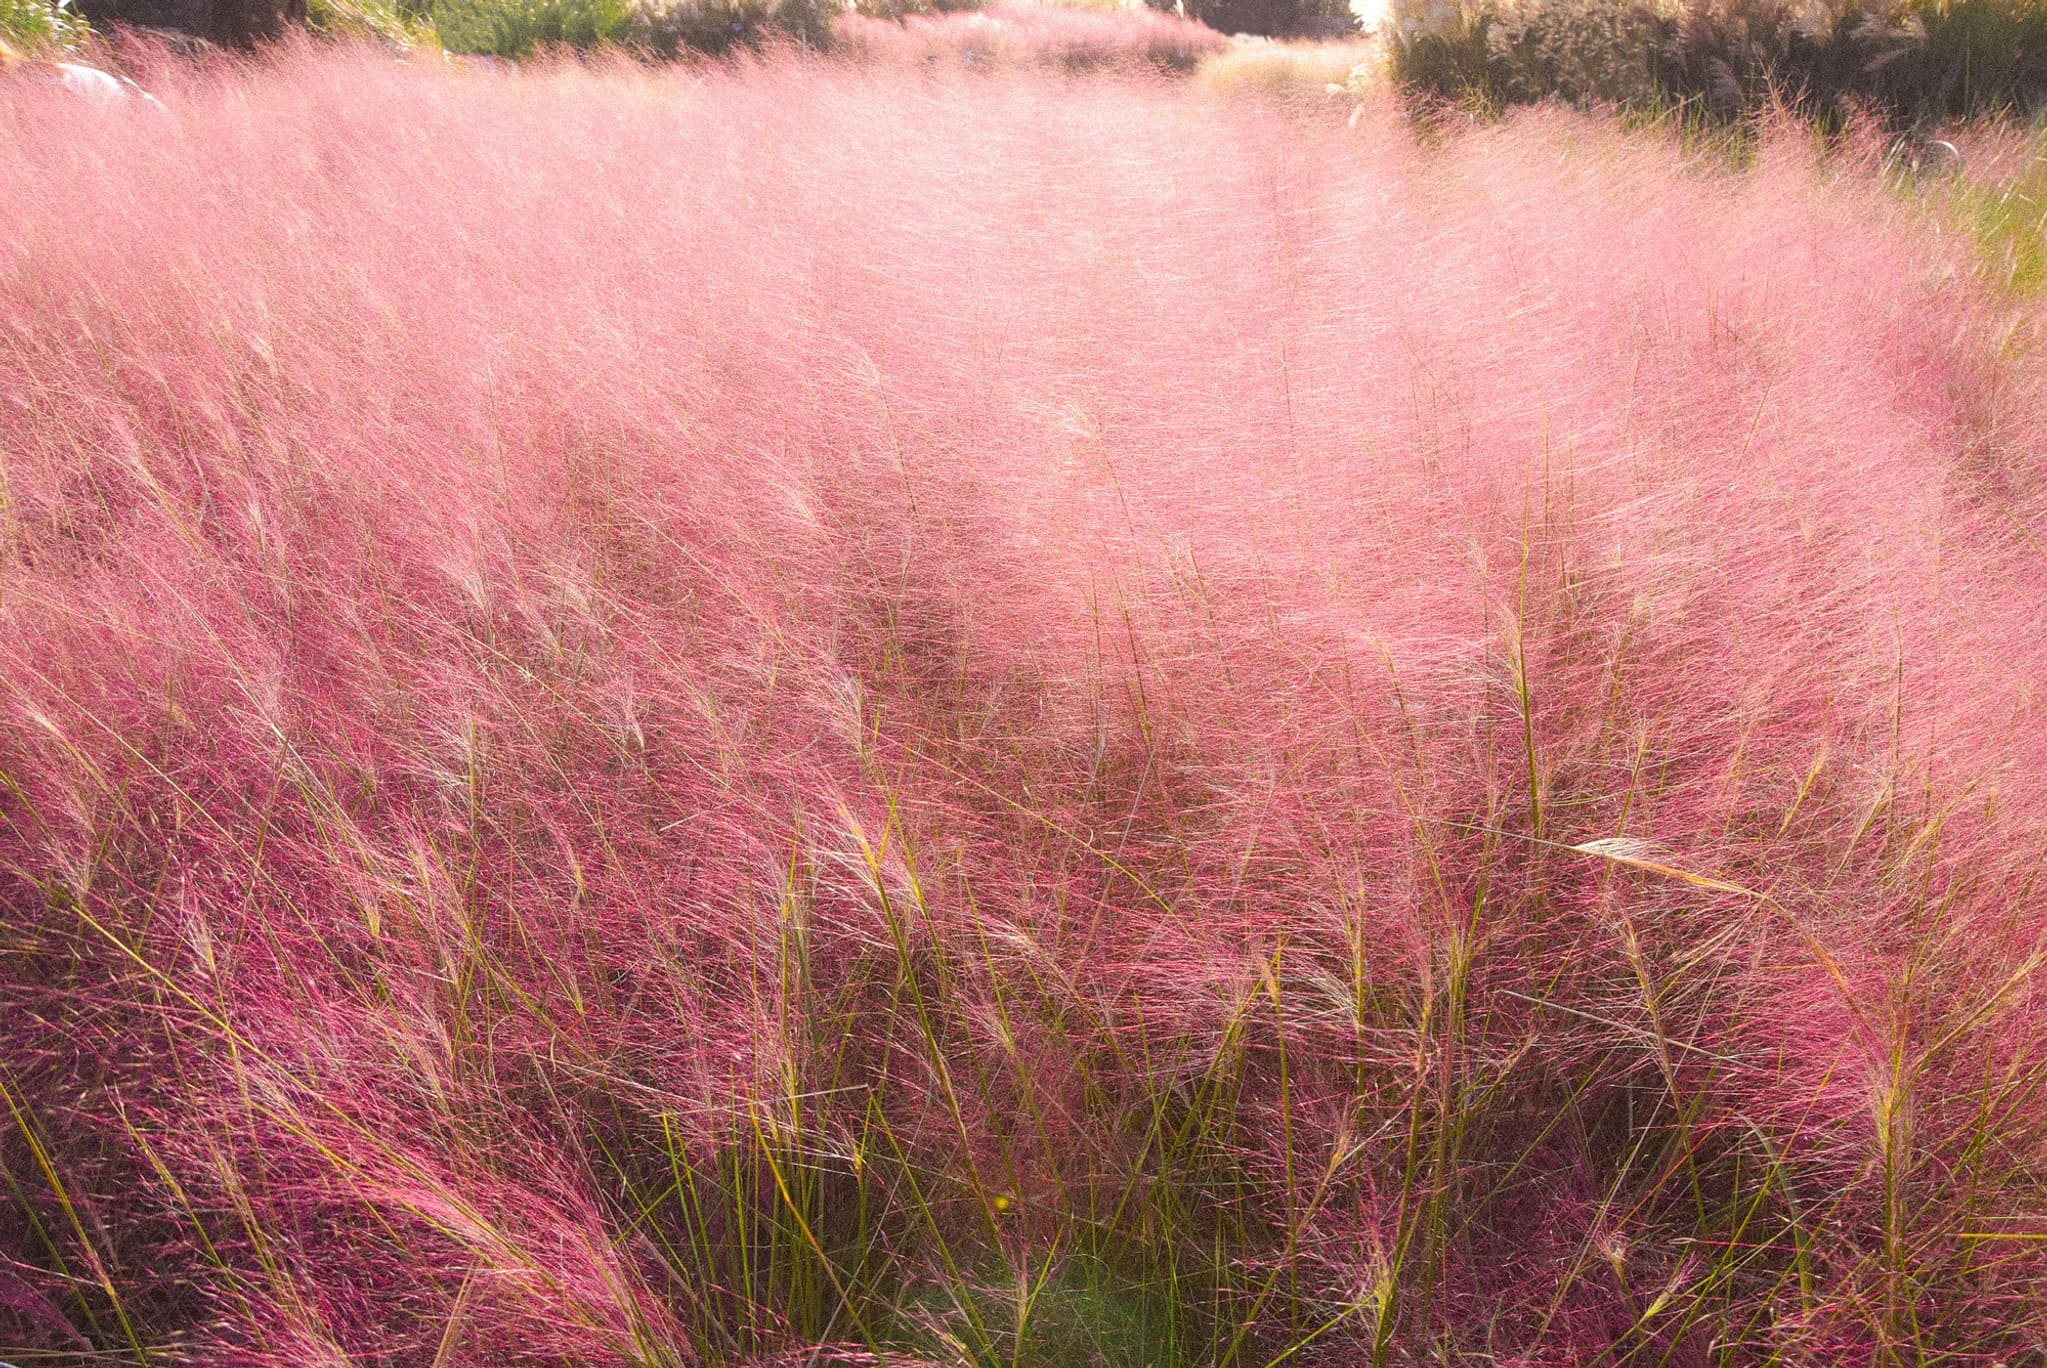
(38, 25)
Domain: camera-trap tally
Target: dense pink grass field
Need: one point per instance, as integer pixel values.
(807, 715)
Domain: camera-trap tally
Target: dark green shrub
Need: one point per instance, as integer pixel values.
(38, 25)
(1728, 58)
(240, 24)
(1722, 60)
(515, 28)
(674, 30)
(1267, 18)
(1488, 56)
(1981, 55)
(903, 9)
(1443, 53)
(1579, 51)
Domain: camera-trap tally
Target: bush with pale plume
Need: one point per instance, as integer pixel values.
(1910, 62)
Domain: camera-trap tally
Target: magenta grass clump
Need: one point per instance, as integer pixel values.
(803, 713)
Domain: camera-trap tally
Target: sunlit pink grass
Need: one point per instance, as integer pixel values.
(476, 551)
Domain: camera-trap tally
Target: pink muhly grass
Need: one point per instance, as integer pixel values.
(656, 718)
